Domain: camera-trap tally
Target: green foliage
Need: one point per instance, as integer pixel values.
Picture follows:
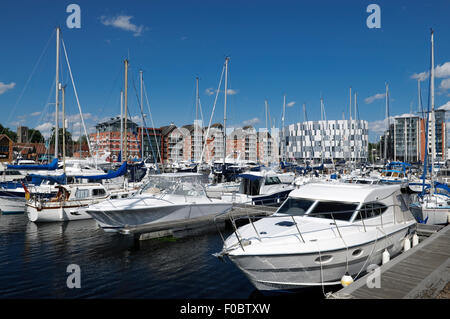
(12, 135)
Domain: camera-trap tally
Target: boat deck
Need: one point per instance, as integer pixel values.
(421, 272)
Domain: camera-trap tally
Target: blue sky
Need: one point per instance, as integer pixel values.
(303, 49)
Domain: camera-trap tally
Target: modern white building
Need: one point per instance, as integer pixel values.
(407, 138)
(335, 139)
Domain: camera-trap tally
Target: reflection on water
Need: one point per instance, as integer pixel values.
(34, 258)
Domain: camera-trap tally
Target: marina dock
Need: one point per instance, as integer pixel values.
(200, 224)
(421, 272)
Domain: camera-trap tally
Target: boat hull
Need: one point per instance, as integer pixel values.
(56, 213)
(12, 205)
(117, 219)
(294, 271)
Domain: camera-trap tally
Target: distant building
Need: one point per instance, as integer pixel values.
(214, 143)
(107, 139)
(22, 134)
(152, 143)
(242, 144)
(410, 138)
(334, 139)
(6, 148)
(31, 151)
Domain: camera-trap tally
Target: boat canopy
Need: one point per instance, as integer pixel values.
(112, 174)
(37, 179)
(51, 167)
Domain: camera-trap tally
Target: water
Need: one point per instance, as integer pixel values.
(34, 260)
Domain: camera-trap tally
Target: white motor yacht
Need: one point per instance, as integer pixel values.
(166, 197)
(320, 233)
(259, 188)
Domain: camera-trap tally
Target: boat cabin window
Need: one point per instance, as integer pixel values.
(82, 193)
(338, 210)
(370, 210)
(394, 174)
(250, 187)
(98, 192)
(272, 180)
(295, 206)
(12, 173)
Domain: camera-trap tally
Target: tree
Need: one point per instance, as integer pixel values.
(35, 136)
(68, 140)
(82, 140)
(12, 135)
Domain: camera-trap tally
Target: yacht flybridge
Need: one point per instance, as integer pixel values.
(320, 233)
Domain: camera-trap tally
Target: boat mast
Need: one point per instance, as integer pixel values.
(266, 149)
(58, 30)
(63, 89)
(126, 110)
(387, 122)
(225, 113)
(196, 128)
(350, 128)
(356, 149)
(121, 124)
(433, 127)
(322, 143)
(283, 145)
(142, 112)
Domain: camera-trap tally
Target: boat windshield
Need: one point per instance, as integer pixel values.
(331, 209)
(272, 180)
(295, 206)
(157, 184)
(178, 185)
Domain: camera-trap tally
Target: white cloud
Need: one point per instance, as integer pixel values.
(45, 129)
(211, 91)
(372, 98)
(380, 126)
(420, 76)
(35, 113)
(290, 104)
(445, 84)
(252, 121)
(5, 87)
(123, 22)
(440, 71)
(446, 106)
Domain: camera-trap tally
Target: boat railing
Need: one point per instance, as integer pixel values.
(252, 215)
